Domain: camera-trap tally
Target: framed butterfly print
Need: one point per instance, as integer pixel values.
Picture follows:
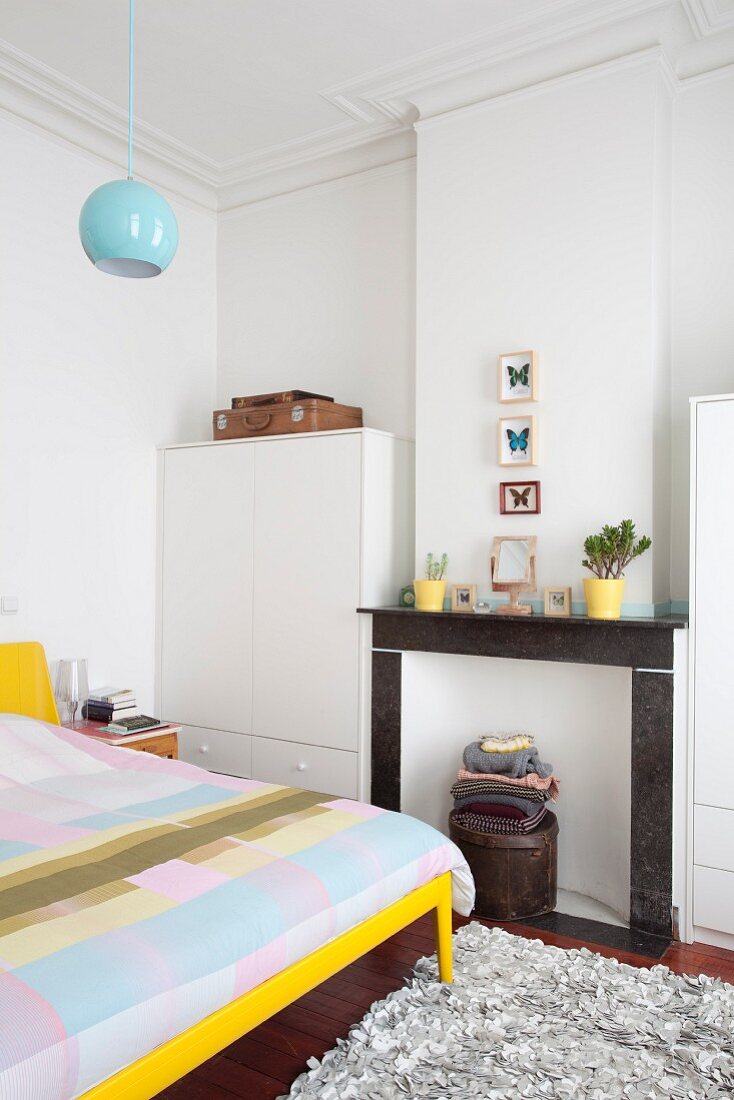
(518, 441)
(557, 601)
(463, 597)
(520, 498)
(517, 376)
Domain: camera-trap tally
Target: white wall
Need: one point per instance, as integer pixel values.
(580, 716)
(316, 291)
(537, 227)
(94, 373)
(703, 277)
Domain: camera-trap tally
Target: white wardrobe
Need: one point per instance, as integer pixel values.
(267, 547)
(712, 668)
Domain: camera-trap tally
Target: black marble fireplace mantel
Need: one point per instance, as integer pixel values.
(645, 646)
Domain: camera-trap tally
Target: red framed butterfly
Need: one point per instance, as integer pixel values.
(520, 498)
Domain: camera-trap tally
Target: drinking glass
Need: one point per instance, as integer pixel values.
(72, 686)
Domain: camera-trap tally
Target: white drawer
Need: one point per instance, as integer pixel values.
(315, 769)
(713, 899)
(216, 750)
(713, 837)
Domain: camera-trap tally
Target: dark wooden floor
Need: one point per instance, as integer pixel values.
(262, 1065)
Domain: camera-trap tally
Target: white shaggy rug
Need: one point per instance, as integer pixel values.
(525, 1020)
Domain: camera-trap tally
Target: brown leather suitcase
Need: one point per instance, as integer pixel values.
(515, 876)
(309, 415)
(283, 396)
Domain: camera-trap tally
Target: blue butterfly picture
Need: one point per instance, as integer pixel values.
(518, 441)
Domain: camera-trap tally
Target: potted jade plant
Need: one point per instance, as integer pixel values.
(607, 556)
(431, 589)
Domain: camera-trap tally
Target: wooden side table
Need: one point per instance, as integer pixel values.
(161, 742)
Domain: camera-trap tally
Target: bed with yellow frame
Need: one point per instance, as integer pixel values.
(25, 689)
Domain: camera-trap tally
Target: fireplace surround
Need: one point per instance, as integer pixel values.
(646, 646)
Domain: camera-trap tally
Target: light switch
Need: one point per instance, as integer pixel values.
(9, 605)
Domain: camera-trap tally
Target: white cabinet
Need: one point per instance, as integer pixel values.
(712, 652)
(307, 555)
(267, 548)
(206, 587)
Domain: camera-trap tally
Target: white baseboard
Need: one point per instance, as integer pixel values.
(713, 938)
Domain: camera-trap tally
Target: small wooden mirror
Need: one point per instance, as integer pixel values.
(512, 569)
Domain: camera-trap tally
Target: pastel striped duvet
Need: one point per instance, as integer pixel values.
(138, 895)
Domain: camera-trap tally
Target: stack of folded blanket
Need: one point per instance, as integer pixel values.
(504, 786)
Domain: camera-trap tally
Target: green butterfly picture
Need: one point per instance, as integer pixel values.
(518, 376)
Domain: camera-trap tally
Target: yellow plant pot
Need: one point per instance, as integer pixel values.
(603, 598)
(429, 595)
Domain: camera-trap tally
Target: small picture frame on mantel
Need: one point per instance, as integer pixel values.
(557, 601)
(463, 597)
(517, 376)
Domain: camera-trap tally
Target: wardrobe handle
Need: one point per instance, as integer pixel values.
(203, 748)
(301, 766)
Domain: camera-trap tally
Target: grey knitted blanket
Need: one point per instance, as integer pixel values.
(515, 764)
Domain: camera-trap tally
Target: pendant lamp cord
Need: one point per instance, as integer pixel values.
(130, 97)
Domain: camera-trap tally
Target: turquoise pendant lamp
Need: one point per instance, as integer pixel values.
(127, 228)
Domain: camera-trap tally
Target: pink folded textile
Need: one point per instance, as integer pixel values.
(551, 784)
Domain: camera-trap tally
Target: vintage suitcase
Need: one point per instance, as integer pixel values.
(257, 399)
(515, 876)
(309, 415)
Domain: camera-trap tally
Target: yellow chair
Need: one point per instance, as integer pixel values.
(25, 685)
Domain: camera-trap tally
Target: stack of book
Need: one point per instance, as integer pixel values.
(129, 730)
(141, 723)
(110, 704)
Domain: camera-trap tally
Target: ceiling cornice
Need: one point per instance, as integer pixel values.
(379, 108)
(386, 94)
(292, 166)
(709, 16)
(48, 99)
(654, 59)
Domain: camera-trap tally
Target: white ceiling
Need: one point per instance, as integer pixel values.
(238, 100)
(229, 78)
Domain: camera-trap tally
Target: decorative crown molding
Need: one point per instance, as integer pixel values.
(380, 108)
(655, 59)
(709, 17)
(41, 95)
(385, 90)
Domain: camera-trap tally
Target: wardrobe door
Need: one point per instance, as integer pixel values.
(714, 605)
(206, 613)
(307, 528)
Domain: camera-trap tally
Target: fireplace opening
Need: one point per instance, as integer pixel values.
(580, 718)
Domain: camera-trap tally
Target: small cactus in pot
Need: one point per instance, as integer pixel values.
(431, 589)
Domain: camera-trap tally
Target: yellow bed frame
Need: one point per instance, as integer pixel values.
(25, 688)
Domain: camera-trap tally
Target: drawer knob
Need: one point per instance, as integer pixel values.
(203, 748)
(301, 766)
